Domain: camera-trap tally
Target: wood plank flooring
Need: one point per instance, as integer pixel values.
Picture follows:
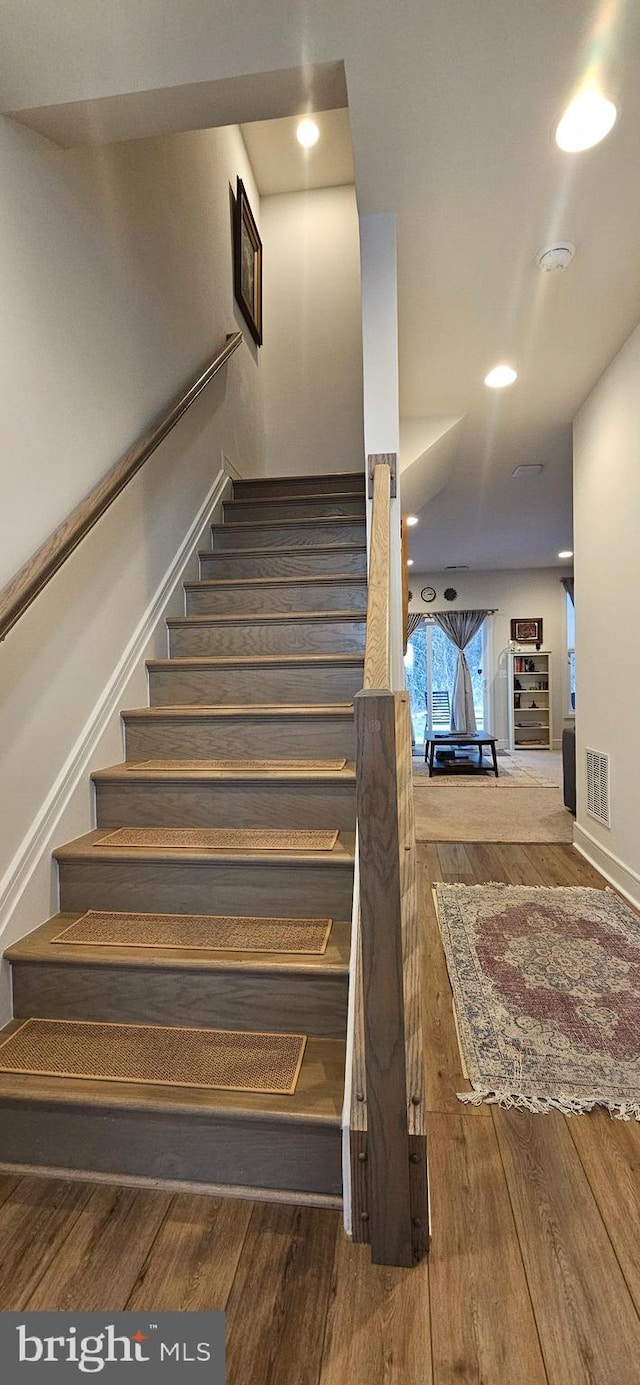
(534, 1272)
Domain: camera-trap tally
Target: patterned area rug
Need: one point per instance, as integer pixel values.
(546, 987)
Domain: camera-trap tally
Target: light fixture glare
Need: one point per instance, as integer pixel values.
(500, 377)
(409, 562)
(566, 553)
(412, 520)
(307, 133)
(586, 121)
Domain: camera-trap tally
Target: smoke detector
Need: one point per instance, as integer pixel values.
(554, 258)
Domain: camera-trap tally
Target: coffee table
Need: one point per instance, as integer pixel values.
(460, 739)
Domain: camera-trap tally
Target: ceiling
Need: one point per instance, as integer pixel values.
(452, 109)
(280, 164)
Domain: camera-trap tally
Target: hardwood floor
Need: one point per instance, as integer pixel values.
(534, 1272)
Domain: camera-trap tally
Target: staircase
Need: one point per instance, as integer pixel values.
(264, 665)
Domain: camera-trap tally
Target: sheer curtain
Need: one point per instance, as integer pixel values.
(461, 626)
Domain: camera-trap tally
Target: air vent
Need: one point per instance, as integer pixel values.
(598, 786)
(457, 567)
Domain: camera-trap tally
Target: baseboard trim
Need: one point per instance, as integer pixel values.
(37, 840)
(171, 1185)
(622, 877)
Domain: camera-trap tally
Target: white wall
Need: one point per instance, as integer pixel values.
(115, 283)
(529, 592)
(312, 355)
(607, 515)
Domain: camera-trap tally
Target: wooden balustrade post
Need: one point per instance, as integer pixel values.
(396, 1172)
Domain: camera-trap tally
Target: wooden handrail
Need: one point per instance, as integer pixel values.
(389, 1195)
(377, 653)
(27, 584)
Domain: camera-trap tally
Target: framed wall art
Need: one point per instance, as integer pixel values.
(247, 263)
(527, 631)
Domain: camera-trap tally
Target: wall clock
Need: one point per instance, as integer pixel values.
(450, 593)
(428, 594)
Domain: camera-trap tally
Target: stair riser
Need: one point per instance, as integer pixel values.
(220, 887)
(163, 804)
(236, 687)
(314, 1005)
(300, 485)
(304, 1156)
(302, 535)
(279, 637)
(283, 564)
(237, 512)
(325, 596)
(277, 738)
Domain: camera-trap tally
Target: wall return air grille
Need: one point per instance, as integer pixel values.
(598, 786)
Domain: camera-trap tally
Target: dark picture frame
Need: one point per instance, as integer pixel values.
(527, 631)
(247, 263)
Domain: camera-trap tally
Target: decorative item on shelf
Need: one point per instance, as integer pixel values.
(517, 684)
(527, 631)
(516, 700)
(450, 593)
(428, 594)
(247, 263)
(409, 596)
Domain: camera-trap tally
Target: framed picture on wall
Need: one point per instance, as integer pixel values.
(527, 631)
(247, 263)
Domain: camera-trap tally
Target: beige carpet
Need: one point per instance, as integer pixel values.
(523, 769)
(466, 814)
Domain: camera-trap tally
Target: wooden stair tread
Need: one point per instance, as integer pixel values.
(308, 549)
(37, 947)
(255, 660)
(202, 711)
(338, 476)
(266, 618)
(305, 522)
(323, 496)
(122, 775)
(300, 580)
(85, 848)
(317, 1098)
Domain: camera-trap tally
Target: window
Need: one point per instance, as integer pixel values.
(571, 655)
(431, 662)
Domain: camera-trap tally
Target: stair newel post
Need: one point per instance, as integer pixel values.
(388, 1174)
(388, 1146)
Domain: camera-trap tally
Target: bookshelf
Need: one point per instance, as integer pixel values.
(530, 699)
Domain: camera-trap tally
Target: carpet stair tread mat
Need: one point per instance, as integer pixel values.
(219, 839)
(244, 765)
(155, 1055)
(546, 989)
(203, 932)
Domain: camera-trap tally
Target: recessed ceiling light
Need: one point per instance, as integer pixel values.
(586, 121)
(307, 133)
(566, 553)
(412, 520)
(528, 469)
(409, 562)
(500, 376)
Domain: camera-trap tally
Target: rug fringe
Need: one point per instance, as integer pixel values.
(541, 1105)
